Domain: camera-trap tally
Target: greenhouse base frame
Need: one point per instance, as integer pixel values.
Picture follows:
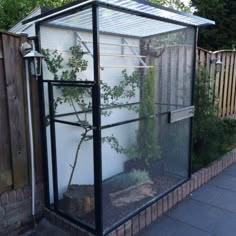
(152, 213)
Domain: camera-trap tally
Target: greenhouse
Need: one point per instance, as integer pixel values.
(117, 105)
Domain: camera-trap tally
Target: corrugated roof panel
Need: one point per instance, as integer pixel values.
(137, 6)
(162, 12)
(111, 21)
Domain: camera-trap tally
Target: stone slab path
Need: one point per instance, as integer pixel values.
(209, 211)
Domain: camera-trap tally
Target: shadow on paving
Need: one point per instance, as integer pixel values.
(210, 210)
(44, 228)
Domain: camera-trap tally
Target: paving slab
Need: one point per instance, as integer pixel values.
(217, 197)
(231, 170)
(172, 227)
(224, 181)
(44, 228)
(205, 217)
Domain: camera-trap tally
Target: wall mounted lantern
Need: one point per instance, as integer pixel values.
(218, 63)
(35, 60)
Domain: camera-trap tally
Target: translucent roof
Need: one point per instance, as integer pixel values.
(114, 17)
(111, 21)
(159, 11)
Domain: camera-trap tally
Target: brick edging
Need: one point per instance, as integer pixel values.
(15, 208)
(155, 211)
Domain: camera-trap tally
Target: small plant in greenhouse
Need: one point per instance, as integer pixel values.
(128, 179)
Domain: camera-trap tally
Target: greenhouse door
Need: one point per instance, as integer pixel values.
(70, 142)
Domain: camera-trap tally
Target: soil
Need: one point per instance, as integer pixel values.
(113, 214)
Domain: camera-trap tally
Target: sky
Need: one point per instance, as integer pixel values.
(186, 2)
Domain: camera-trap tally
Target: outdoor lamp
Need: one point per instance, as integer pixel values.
(218, 63)
(35, 60)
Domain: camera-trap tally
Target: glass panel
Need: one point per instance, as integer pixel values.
(74, 146)
(68, 51)
(142, 80)
(142, 160)
(68, 60)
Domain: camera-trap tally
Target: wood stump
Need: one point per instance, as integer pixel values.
(78, 200)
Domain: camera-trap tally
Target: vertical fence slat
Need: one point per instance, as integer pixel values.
(234, 87)
(230, 84)
(216, 76)
(181, 76)
(202, 58)
(212, 74)
(208, 61)
(16, 107)
(233, 84)
(5, 152)
(173, 76)
(221, 85)
(226, 80)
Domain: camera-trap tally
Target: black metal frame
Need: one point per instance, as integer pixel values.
(50, 85)
(96, 125)
(192, 100)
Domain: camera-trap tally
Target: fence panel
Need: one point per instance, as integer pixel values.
(224, 81)
(14, 141)
(17, 111)
(14, 138)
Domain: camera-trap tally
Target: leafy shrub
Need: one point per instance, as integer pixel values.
(146, 148)
(126, 180)
(138, 176)
(212, 135)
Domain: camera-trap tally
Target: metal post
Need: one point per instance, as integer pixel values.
(53, 144)
(97, 124)
(42, 122)
(192, 100)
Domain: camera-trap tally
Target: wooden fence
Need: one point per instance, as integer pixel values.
(14, 139)
(224, 81)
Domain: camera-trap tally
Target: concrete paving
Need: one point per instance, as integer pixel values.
(210, 210)
(44, 228)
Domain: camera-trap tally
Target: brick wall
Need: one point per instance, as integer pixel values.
(155, 211)
(16, 210)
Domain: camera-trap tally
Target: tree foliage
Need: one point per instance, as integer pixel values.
(12, 11)
(175, 4)
(223, 34)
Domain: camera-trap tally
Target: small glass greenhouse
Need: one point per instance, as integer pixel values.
(117, 97)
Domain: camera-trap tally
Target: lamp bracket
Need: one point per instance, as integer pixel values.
(25, 48)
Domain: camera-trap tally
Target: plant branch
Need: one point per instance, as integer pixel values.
(77, 156)
(72, 104)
